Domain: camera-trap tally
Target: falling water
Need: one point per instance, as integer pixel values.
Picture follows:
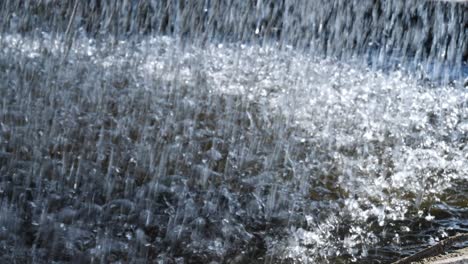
(227, 131)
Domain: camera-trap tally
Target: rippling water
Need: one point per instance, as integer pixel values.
(135, 148)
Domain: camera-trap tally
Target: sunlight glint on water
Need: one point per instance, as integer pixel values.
(151, 147)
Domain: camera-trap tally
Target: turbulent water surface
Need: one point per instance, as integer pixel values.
(136, 148)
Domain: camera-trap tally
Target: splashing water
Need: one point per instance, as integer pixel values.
(233, 132)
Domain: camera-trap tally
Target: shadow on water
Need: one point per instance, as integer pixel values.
(95, 168)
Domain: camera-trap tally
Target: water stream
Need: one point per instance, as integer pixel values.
(231, 131)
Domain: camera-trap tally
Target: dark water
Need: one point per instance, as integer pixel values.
(231, 131)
